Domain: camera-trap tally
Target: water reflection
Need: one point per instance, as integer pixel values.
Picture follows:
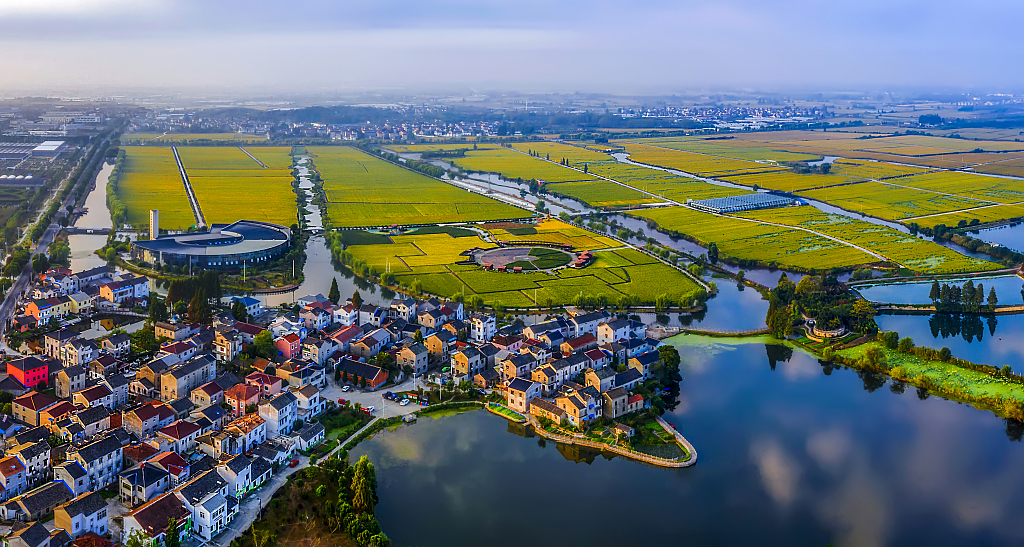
(786, 459)
(1008, 235)
(992, 340)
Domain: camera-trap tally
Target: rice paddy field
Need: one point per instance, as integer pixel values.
(150, 180)
(1013, 168)
(698, 164)
(231, 186)
(789, 181)
(617, 271)
(982, 187)
(600, 193)
(220, 137)
(891, 202)
(992, 213)
(362, 191)
(741, 239)
(428, 147)
(913, 253)
(512, 164)
(727, 148)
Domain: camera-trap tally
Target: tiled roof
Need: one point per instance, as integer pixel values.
(86, 504)
(179, 430)
(154, 515)
(35, 401)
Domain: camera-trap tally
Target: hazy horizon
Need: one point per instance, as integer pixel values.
(311, 47)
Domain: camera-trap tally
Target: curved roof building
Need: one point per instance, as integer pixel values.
(224, 247)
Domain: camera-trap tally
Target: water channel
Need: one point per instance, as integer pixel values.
(791, 453)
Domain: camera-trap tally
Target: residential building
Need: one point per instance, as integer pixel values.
(601, 379)
(237, 472)
(35, 503)
(30, 371)
(520, 392)
(52, 341)
(468, 362)
(27, 407)
(84, 514)
(179, 436)
(253, 307)
(415, 356)
(13, 476)
(544, 409)
(482, 327)
(615, 402)
(99, 395)
(518, 366)
(35, 456)
(240, 397)
(613, 331)
(586, 323)
(317, 350)
(371, 344)
(146, 419)
(644, 362)
(289, 345)
(119, 345)
(102, 366)
(356, 371)
(309, 402)
(227, 345)
(69, 380)
(179, 381)
(152, 519)
(100, 459)
(72, 474)
(251, 430)
(143, 483)
(440, 345)
(280, 414)
(299, 373)
(209, 393)
(309, 435)
(584, 342)
(268, 385)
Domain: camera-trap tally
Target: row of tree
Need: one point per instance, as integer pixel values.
(969, 298)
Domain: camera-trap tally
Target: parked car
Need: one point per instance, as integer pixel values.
(341, 401)
(347, 388)
(404, 402)
(369, 409)
(293, 463)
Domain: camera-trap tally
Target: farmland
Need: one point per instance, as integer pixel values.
(751, 241)
(600, 193)
(512, 165)
(150, 180)
(890, 202)
(429, 147)
(362, 190)
(727, 148)
(789, 181)
(231, 186)
(698, 164)
(981, 187)
(991, 213)
(911, 252)
(429, 262)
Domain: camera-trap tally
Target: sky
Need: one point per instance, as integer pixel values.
(633, 47)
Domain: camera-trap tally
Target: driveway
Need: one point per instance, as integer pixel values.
(384, 407)
(249, 509)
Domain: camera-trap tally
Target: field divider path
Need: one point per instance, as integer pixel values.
(801, 228)
(196, 210)
(242, 148)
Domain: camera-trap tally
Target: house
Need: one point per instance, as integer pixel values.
(250, 430)
(547, 378)
(227, 344)
(213, 414)
(492, 354)
(152, 519)
(80, 302)
(289, 345)
(317, 350)
(35, 534)
(247, 332)
(601, 379)
(544, 409)
(253, 307)
(47, 309)
(584, 342)
(180, 380)
(237, 473)
(613, 331)
(415, 356)
(482, 327)
(520, 392)
(30, 371)
(280, 414)
(346, 315)
(13, 477)
(85, 513)
(486, 379)
(35, 503)
(93, 421)
(309, 402)
(404, 308)
(558, 325)
(315, 319)
(78, 352)
(371, 344)
(371, 315)
(240, 397)
(628, 378)
(343, 337)
(179, 436)
(175, 465)
(72, 474)
(644, 362)
(358, 372)
(104, 365)
(100, 459)
(268, 385)
(634, 403)
(311, 299)
(70, 380)
(183, 350)
(27, 407)
(146, 419)
(149, 374)
(510, 343)
(298, 373)
(119, 345)
(440, 345)
(579, 408)
(467, 362)
(25, 323)
(597, 358)
(586, 323)
(615, 402)
(175, 332)
(52, 341)
(35, 456)
(209, 393)
(518, 366)
(94, 396)
(143, 483)
(309, 435)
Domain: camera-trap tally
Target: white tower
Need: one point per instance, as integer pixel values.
(154, 223)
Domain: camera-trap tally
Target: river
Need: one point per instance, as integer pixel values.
(791, 453)
(83, 246)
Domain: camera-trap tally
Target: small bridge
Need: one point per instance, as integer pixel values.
(85, 230)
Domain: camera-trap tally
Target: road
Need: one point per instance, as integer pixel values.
(20, 286)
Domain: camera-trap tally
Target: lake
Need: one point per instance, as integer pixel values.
(996, 341)
(791, 453)
(1007, 290)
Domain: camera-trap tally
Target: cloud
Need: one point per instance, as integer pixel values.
(829, 449)
(780, 473)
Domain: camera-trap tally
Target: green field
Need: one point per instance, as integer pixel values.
(789, 181)
(913, 253)
(231, 186)
(727, 148)
(511, 164)
(600, 193)
(745, 240)
(993, 213)
(363, 190)
(430, 260)
(967, 185)
(150, 180)
(889, 201)
(698, 164)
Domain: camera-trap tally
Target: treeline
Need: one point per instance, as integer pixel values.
(118, 210)
(969, 298)
(941, 232)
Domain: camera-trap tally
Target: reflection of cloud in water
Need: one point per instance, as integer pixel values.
(799, 369)
(829, 448)
(779, 473)
(858, 508)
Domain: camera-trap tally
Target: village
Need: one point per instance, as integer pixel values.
(107, 439)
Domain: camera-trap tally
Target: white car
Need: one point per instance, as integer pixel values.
(347, 388)
(404, 402)
(370, 409)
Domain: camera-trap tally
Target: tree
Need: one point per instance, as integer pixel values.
(40, 263)
(357, 299)
(137, 538)
(906, 344)
(334, 295)
(713, 252)
(935, 292)
(145, 341)
(239, 312)
(263, 345)
(992, 300)
(157, 310)
(199, 308)
(362, 487)
(173, 538)
(418, 337)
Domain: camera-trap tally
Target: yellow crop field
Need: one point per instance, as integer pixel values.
(274, 157)
(727, 148)
(512, 164)
(981, 187)
(438, 146)
(789, 181)
(1013, 168)
(912, 252)
(217, 158)
(872, 169)
(220, 137)
(557, 151)
(689, 162)
(983, 214)
(890, 202)
(600, 193)
(366, 191)
(150, 180)
(745, 240)
(225, 197)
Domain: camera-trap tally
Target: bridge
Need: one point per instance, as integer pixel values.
(85, 230)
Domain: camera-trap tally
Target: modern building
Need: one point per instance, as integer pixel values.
(224, 247)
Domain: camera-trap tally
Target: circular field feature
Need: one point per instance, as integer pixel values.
(527, 258)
